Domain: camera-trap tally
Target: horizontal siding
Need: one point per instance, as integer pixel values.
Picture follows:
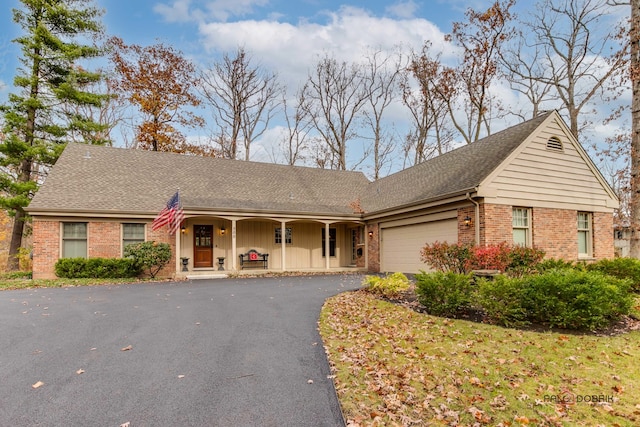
(304, 252)
(550, 177)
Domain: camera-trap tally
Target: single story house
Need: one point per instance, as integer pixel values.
(531, 184)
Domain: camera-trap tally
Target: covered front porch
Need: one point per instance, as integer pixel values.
(211, 245)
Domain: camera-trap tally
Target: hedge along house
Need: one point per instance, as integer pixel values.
(531, 184)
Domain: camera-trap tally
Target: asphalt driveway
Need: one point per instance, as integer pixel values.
(226, 352)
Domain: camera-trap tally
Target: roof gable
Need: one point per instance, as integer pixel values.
(550, 168)
(457, 171)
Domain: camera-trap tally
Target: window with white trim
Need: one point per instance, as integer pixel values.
(74, 240)
(132, 233)
(585, 241)
(521, 224)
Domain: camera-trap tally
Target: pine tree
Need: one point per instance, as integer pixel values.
(58, 38)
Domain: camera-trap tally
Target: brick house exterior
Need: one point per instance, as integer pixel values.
(530, 184)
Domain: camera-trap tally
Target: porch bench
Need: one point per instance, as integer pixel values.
(254, 259)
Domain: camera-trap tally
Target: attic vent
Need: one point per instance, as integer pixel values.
(554, 144)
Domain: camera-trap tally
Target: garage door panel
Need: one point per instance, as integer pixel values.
(400, 249)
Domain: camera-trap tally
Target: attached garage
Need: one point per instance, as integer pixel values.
(401, 244)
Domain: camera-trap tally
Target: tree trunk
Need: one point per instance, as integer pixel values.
(13, 263)
(635, 131)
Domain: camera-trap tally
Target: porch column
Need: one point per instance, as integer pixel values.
(234, 249)
(365, 236)
(283, 244)
(327, 238)
(178, 252)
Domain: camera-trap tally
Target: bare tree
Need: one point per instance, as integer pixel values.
(381, 82)
(426, 91)
(244, 98)
(335, 96)
(481, 37)
(580, 52)
(296, 139)
(521, 64)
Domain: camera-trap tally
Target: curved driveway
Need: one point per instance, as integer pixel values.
(226, 352)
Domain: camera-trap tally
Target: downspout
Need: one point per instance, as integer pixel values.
(477, 215)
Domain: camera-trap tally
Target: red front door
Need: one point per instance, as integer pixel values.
(202, 246)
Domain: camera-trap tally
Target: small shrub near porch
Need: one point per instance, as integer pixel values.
(96, 268)
(149, 257)
(389, 286)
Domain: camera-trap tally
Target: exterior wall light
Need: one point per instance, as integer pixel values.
(183, 229)
(370, 234)
(467, 221)
(222, 230)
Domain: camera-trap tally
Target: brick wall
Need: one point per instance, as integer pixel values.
(467, 233)
(46, 248)
(103, 241)
(603, 246)
(374, 247)
(496, 224)
(555, 231)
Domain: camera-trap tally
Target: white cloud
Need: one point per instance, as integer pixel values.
(290, 49)
(178, 11)
(219, 10)
(403, 9)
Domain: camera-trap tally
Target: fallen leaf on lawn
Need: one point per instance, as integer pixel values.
(180, 376)
(127, 348)
(127, 424)
(310, 382)
(38, 384)
(80, 371)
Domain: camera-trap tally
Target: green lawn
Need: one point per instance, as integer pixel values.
(394, 366)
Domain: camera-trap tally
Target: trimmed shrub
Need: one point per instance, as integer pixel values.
(445, 294)
(493, 257)
(556, 264)
(149, 257)
(96, 268)
(443, 256)
(622, 268)
(389, 287)
(501, 299)
(575, 299)
(463, 258)
(523, 260)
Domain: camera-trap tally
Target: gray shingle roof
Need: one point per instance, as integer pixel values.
(104, 179)
(454, 172)
(135, 181)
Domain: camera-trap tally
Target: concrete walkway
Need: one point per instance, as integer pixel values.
(229, 352)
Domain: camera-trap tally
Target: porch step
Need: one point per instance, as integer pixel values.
(207, 276)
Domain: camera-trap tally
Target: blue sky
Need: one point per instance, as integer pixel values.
(281, 33)
(285, 36)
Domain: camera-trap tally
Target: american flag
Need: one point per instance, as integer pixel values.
(172, 215)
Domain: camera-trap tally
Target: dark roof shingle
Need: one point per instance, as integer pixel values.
(93, 178)
(454, 172)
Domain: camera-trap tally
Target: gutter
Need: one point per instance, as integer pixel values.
(450, 197)
(477, 215)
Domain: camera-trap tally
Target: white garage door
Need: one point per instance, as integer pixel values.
(401, 245)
